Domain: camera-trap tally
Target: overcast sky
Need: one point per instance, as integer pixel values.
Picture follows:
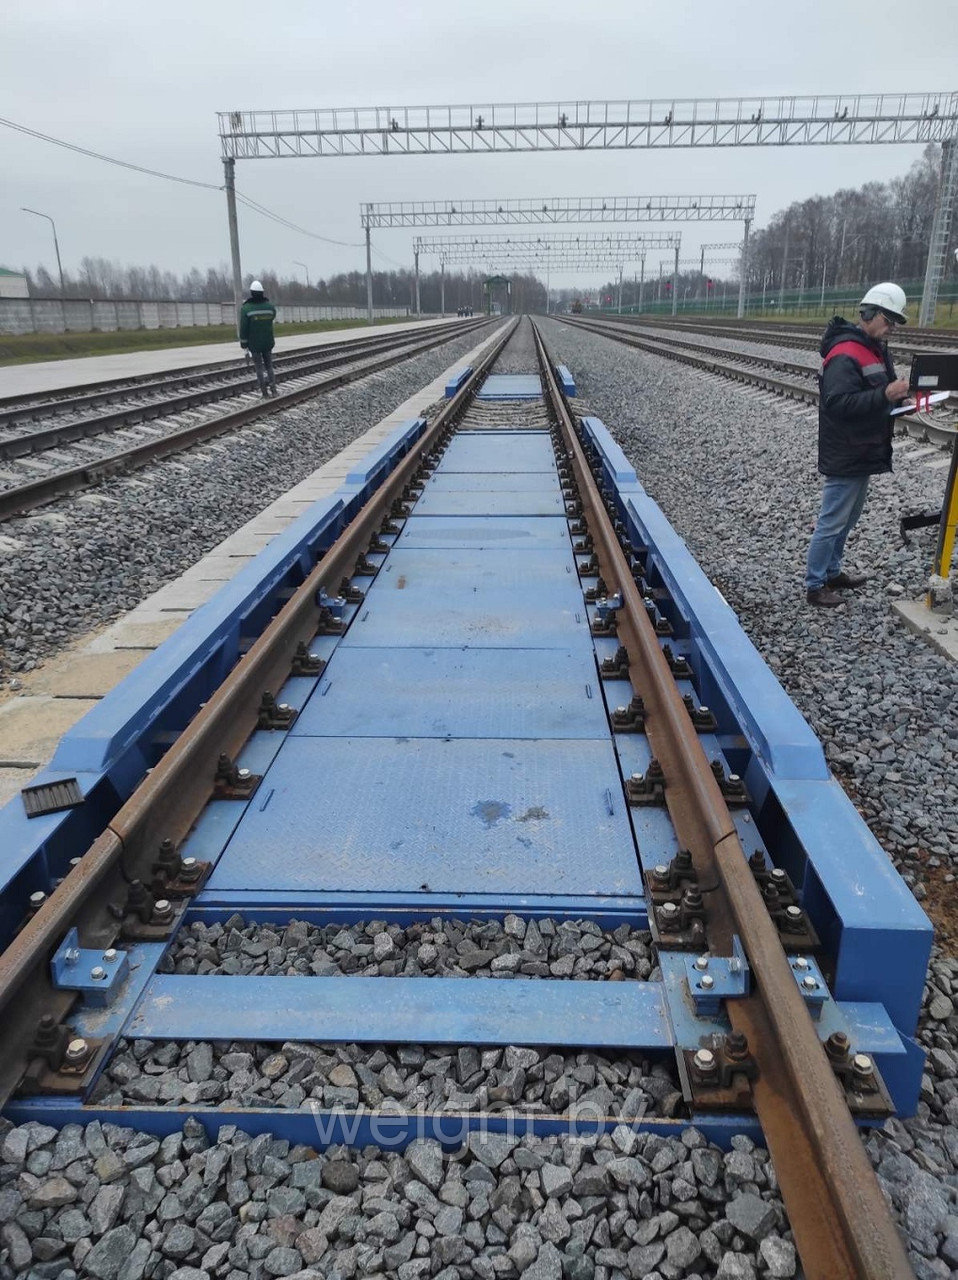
(143, 83)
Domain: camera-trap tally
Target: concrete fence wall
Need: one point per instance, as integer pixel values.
(83, 315)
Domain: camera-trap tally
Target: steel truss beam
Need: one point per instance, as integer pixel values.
(588, 126)
(558, 209)
(618, 244)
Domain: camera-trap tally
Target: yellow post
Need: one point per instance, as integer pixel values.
(948, 527)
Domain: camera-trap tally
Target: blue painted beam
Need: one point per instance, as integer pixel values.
(566, 380)
(457, 381)
(613, 1015)
(390, 1128)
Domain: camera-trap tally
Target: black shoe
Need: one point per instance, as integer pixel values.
(273, 390)
(824, 598)
(847, 581)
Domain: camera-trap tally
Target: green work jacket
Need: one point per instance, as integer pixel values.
(256, 324)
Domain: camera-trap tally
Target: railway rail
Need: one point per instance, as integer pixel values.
(475, 682)
(304, 374)
(938, 426)
(906, 342)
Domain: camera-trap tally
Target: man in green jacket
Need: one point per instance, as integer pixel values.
(256, 335)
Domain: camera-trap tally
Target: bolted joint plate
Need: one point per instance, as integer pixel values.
(94, 973)
(712, 979)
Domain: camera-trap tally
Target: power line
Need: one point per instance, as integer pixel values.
(97, 155)
(285, 222)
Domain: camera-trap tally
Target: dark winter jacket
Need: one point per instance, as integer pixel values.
(256, 323)
(854, 422)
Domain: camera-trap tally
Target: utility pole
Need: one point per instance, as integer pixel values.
(641, 281)
(229, 169)
(675, 283)
(701, 284)
(369, 277)
(297, 263)
(620, 290)
(442, 287)
(821, 301)
(781, 289)
(416, 259)
(743, 270)
(56, 246)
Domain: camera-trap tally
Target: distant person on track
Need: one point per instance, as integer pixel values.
(859, 388)
(256, 336)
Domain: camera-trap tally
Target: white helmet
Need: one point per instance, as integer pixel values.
(256, 287)
(888, 298)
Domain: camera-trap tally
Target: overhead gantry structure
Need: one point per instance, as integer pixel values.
(562, 252)
(555, 210)
(623, 124)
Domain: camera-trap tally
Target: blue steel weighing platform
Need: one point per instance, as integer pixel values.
(455, 757)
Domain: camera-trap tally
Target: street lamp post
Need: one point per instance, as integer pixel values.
(297, 263)
(56, 245)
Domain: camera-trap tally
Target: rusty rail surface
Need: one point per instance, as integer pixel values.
(25, 497)
(172, 795)
(842, 1226)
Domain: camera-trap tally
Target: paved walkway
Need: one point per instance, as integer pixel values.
(52, 375)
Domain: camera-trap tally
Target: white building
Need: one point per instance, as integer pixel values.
(13, 284)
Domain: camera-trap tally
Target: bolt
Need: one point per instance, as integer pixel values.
(809, 983)
(71, 956)
(862, 1065)
(736, 1045)
(669, 908)
(706, 982)
(637, 778)
(733, 777)
(837, 1045)
(704, 1060)
(620, 711)
(285, 707)
(793, 913)
(242, 774)
(189, 864)
(76, 1051)
(800, 963)
(702, 962)
(703, 710)
(37, 899)
(97, 973)
(110, 955)
(778, 875)
(75, 862)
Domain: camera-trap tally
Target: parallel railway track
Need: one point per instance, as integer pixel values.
(836, 1208)
(302, 375)
(791, 379)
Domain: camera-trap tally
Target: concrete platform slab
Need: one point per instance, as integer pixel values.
(85, 675)
(939, 630)
(31, 727)
(12, 781)
(50, 375)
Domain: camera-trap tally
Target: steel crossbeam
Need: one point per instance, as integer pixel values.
(592, 125)
(558, 209)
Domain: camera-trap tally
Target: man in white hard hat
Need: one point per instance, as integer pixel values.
(256, 335)
(859, 388)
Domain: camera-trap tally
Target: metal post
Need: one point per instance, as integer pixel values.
(369, 277)
(743, 270)
(940, 229)
(949, 525)
(229, 170)
(620, 290)
(641, 281)
(781, 288)
(675, 284)
(56, 244)
(701, 282)
(418, 304)
(442, 286)
(821, 301)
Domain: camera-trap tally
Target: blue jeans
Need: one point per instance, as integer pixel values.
(843, 498)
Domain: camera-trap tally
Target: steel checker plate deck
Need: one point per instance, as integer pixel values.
(509, 533)
(421, 815)
(490, 502)
(511, 386)
(614, 1015)
(447, 571)
(476, 452)
(454, 693)
(544, 619)
(496, 481)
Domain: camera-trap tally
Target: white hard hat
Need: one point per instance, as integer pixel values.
(256, 287)
(889, 298)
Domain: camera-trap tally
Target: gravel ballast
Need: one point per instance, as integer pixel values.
(87, 559)
(508, 948)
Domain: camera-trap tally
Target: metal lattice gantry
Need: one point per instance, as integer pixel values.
(554, 210)
(623, 124)
(570, 251)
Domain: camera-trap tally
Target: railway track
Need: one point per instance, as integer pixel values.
(481, 694)
(80, 451)
(791, 379)
(906, 343)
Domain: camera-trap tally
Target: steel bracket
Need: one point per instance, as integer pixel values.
(92, 972)
(811, 983)
(712, 979)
